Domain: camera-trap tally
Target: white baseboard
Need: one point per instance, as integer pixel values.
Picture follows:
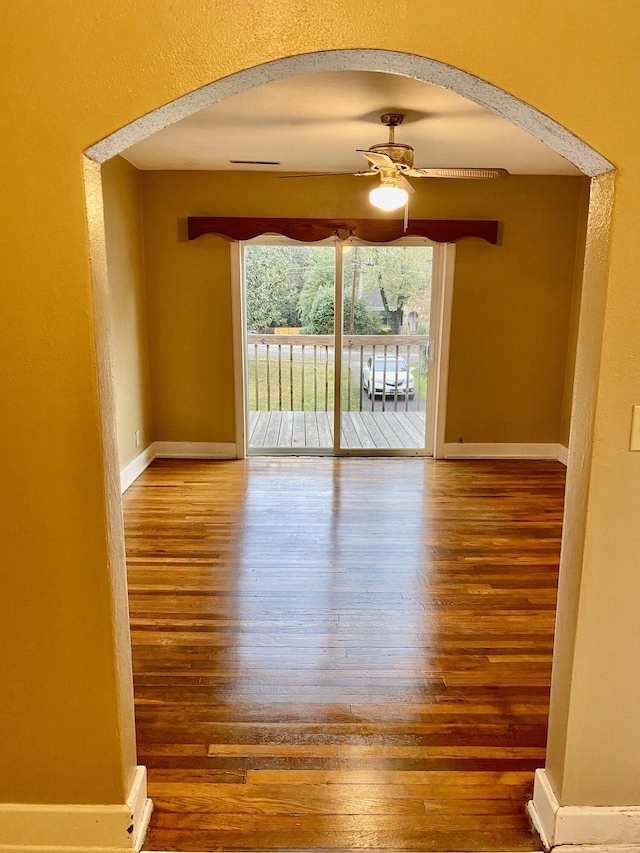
(520, 450)
(194, 450)
(35, 828)
(582, 829)
(563, 454)
(132, 471)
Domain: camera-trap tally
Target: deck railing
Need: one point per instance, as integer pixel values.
(295, 372)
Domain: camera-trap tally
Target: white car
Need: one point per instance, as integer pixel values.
(381, 376)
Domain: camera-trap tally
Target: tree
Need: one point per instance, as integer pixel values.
(319, 316)
(320, 274)
(399, 273)
(366, 321)
(267, 286)
(319, 313)
(275, 278)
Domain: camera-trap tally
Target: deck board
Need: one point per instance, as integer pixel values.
(285, 436)
(311, 431)
(273, 430)
(298, 436)
(325, 428)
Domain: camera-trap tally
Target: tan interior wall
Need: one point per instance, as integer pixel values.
(511, 316)
(127, 306)
(189, 314)
(512, 303)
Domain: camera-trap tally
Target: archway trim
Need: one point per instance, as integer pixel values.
(524, 116)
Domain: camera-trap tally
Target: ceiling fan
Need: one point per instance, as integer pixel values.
(393, 162)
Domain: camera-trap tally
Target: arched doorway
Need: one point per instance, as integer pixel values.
(556, 137)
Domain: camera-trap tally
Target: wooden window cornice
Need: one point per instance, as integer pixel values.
(371, 230)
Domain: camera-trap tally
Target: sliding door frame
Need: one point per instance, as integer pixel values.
(438, 355)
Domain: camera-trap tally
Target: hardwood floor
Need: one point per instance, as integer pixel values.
(342, 653)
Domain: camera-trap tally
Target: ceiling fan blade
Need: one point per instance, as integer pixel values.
(327, 174)
(469, 174)
(404, 183)
(382, 161)
(324, 174)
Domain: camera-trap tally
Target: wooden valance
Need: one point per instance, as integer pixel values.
(372, 230)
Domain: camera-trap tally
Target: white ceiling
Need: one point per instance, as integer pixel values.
(315, 122)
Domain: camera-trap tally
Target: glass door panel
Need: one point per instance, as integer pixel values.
(290, 357)
(386, 293)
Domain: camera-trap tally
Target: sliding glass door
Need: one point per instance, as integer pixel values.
(386, 298)
(352, 381)
(290, 352)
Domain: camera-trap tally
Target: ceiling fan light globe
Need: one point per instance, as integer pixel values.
(388, 197)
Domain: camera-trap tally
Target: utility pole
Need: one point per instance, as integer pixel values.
(353, 290)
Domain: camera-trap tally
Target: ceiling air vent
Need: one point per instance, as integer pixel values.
(256, 162)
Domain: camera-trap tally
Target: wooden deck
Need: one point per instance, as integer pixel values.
(360, 430)
(342, 654)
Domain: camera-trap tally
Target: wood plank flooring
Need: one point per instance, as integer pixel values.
(341, 654)
(369, 430)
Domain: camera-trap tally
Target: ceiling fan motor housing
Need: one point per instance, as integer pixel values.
(401, 154)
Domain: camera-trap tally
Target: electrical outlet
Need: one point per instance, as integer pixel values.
(137, 434)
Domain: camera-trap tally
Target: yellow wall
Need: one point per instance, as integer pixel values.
(127, 303)
(190, 330)
(511, 309)
(72, 78)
